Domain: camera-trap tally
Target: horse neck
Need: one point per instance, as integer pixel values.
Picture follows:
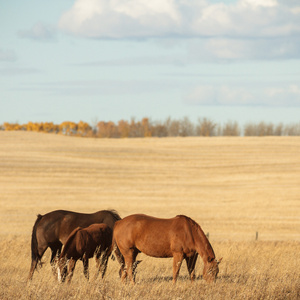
(203, 246)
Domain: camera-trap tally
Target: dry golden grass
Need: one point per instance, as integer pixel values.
(232, 187)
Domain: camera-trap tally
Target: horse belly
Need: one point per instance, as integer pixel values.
(155, 248)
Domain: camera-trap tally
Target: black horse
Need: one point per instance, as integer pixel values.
(52, 230)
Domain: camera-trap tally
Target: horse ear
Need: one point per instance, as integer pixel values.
(218, 261)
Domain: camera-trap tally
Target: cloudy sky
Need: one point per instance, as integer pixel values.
(95, 60)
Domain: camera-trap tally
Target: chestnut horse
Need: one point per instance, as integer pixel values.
(179, 237)
(84, 243)
(52, 230)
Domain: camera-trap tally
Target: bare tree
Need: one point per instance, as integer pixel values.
(292, 129)
(206, 127)
(173, 127)
(159, 129)
(187, 128)
(278, 130)
(231, 129)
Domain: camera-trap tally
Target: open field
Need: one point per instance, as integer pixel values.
(233, 187)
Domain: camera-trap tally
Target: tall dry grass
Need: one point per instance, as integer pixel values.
(233, 187)
(249, 270)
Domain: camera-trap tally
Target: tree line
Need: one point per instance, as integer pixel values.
(167, 128)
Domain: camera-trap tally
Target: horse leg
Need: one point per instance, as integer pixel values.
(134, 268)
(55, 252)
(191, 262)
(104, 261)
(85, 261)
(71, 267)
(101, 263)
(62, 269)
(177, 261)
(131, 266)
(129, 257)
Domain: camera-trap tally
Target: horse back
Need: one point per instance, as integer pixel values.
(101, 234)
(57, 225)
(154, 236)
(87, 240)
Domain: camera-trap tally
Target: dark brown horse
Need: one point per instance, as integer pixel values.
(52, 230)
(179, 237)
(84, 243)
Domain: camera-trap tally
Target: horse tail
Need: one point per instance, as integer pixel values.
(111, 248)
(118, 255)
(34, 243)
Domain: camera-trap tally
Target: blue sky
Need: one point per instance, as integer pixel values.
(95, 60)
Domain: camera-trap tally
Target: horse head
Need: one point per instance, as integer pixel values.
(211, 269)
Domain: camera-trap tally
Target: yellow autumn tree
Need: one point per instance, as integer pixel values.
(50, 127)
(123, 129)
(83, 128)
(146, 127)
(13, 126)
(68, 128)
(107, 129)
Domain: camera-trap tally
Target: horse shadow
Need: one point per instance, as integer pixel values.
(160, 279)
(184, 278)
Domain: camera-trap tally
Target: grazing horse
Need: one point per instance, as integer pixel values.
(179, 237)
(82, 244)
(52, 230)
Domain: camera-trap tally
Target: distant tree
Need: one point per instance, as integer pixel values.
(292, 129)
(68, 128)
(146, 127)
(13, 126)
(230, 129)
(186, 127)
(250, 129)
(50, 127)
(260, 129)
(159, 129)
(136, 129)
(84, 129)
(123, 129)
(264, 129)
(206, 127)
(94, 126)
(107, 130)
(278, 130)
(173, 127)
(169, 127)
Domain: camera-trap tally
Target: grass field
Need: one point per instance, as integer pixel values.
(233, 187)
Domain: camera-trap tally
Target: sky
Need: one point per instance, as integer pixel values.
(111, 60)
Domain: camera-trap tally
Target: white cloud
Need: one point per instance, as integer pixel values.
(38, 31)
(138, 61)
(143, 18)
(121, 19)
(247, 29)
(259, 3)
(241, 49)
(15, 71)
(7, 55)
(224, 95)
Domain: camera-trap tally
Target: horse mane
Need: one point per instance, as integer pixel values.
(34, 243)
(199, 232)
(114, 213)
(190, 220)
